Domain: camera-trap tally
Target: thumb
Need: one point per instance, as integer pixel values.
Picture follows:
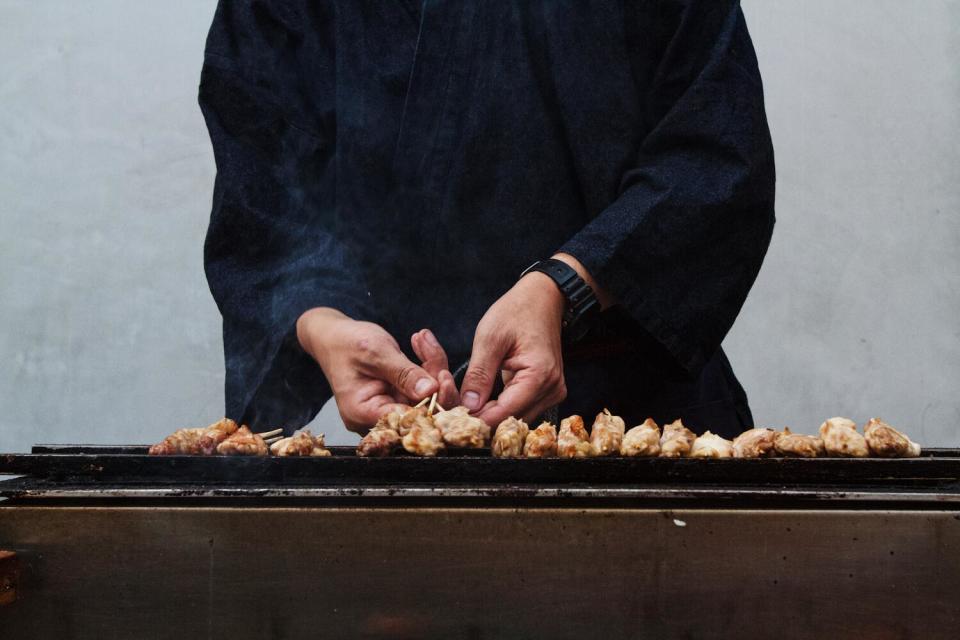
(409, 379)
(485, 361)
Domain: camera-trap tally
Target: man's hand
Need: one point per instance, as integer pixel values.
(519, 334)
(367, 371)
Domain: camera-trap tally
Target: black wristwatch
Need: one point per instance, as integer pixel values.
(582, 304)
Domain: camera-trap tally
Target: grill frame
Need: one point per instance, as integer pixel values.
(103, 472)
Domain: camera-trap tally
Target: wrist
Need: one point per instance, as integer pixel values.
(313, 326)
(543, 289)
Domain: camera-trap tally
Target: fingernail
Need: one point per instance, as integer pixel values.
(471, 400)
(422, 387)
(432, 339)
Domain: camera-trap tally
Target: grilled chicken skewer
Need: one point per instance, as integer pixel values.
(243, 442)
(460, 429)
(573, 440)
(840, 438)
(541, 442)
(755, 443)
(797, 445)
(676, 440)
(302, 443)
(509, 438)
(185, 442)
(642, 440)
(606, 435)
(710, 445)
(886, 442)
(379, 442)
(194, 442)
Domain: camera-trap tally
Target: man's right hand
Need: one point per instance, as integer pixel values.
(364, 365)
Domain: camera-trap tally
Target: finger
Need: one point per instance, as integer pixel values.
(528, 395)
(361, 408)
(436, 363)
(430, 352)
(412, 381)
(488, 353)
(448, 396)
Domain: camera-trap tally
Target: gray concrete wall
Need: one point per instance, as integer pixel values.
(108, 332)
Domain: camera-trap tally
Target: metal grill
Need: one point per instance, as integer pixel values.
(110, 472)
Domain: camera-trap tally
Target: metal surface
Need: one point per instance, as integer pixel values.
(937, 469)
(9, 577)
(133, 572)
(732, 497)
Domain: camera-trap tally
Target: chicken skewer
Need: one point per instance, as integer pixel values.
(840, 438)
(710, 445)
(676, 440)
(886, 442)
(573, 440)
(797, 445)
(181, 442)
(607, 433)
(302, 443)
(509, 439)
(642, 440)
(754, 443)
(460, 429)
(243, 442)
(541, 442)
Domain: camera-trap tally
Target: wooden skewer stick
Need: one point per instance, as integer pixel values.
(270, 434)
(421, 403)
(433, 403)
(272, 440)
(439, 408)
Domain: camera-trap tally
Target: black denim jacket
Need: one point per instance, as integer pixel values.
(403, 162)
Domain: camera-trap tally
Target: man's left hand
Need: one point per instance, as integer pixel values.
(520, 335)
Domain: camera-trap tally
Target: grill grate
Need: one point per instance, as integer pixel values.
(130, 464)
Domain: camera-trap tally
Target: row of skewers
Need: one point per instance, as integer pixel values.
(225, 437)
(428, 429)
(422, 432)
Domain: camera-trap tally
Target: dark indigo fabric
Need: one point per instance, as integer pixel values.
(404, 161)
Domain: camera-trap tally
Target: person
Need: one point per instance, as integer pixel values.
(386, 171)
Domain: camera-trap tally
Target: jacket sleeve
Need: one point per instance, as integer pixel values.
(683, 243)
(273, 249)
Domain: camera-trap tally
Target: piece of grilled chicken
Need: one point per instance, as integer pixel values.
(841, 438)
(215, 434)
(797, 445)
(755, 443)
(243, 442)
(676, 440)
(573, 440)
(509, 438)
(379, 442)
(886, 442)
(710, 445)
(541, 442)
(642, 440)
(302, 443)
(460, 429)
(182, 442)
(606, 435)
(196, 441)
(411, 418)
(390, 420)
(420, 434)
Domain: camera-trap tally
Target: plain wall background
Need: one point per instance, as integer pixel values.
(109, 334)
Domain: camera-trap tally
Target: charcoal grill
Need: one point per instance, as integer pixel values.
(112, 542)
